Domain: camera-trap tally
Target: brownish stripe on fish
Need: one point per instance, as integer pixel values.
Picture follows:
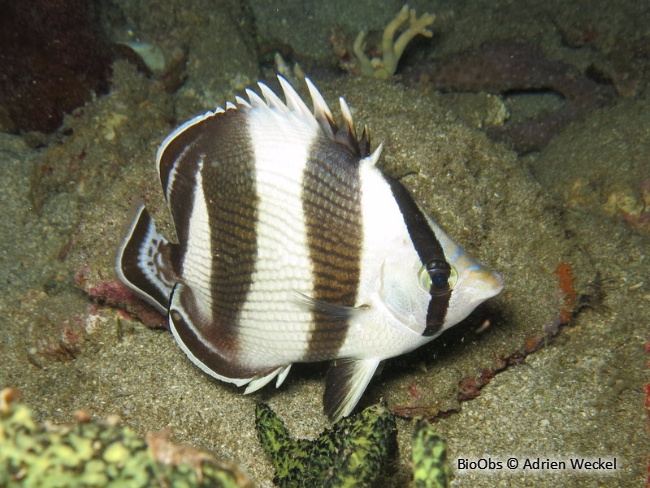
(332, 206)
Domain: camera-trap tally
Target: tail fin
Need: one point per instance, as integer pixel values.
(144, 262)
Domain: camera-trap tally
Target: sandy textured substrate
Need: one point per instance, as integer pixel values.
(581, 396)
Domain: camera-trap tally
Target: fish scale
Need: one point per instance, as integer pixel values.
(292, 246)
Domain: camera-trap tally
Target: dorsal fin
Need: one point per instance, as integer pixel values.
(322, 112)
(364, 142)
(272, 99)
(347, 135)
(373, 158)
(255, 100)
(242, 102)
(320, 115)
(294, 102)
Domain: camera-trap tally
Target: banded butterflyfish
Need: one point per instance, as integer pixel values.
(292, 246)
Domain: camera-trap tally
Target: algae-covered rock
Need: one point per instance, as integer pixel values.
(431, 469)
(91, 454)
(352, 453)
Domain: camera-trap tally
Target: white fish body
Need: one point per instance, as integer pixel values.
(294, 247)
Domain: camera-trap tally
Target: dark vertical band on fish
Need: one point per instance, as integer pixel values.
(217, 156)
(292, 248)
(429, 250)
(333, 219)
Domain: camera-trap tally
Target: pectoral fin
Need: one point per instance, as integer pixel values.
(333, 310)
(345, 382)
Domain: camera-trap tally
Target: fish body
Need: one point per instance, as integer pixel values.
(292, 246)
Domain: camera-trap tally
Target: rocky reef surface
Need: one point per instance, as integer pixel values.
(54, 58)
(553, 367)
(509, 66)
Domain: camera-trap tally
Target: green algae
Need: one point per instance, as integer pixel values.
(90, 454)
(431, 468)
(352, 453)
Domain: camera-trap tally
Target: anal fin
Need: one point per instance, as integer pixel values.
(345, 382)
(143, 261)
(260, 382)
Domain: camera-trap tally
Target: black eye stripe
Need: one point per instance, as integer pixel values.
(424, 240)
(429, 250)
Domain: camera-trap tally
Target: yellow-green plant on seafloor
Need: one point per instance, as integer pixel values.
(92, 454)
(431, 468)
(353, 453)
(392, 49)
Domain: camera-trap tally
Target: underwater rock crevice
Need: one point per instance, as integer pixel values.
(515, 65)
(54, 58)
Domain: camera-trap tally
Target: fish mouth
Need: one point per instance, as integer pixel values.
(482, 283)
(475, 285)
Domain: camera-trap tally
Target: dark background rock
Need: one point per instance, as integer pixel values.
(54, 57)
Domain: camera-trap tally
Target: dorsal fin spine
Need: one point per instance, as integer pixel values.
(255, 100)
(322, 112)
(272, 99)
(242, 101)
(320, 115)
(294, 102)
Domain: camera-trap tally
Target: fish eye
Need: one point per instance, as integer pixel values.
(437, 276)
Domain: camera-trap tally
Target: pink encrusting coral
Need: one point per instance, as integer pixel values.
(514, 65)
(116, 294)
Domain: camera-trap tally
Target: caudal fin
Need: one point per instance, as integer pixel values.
(144, 263)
